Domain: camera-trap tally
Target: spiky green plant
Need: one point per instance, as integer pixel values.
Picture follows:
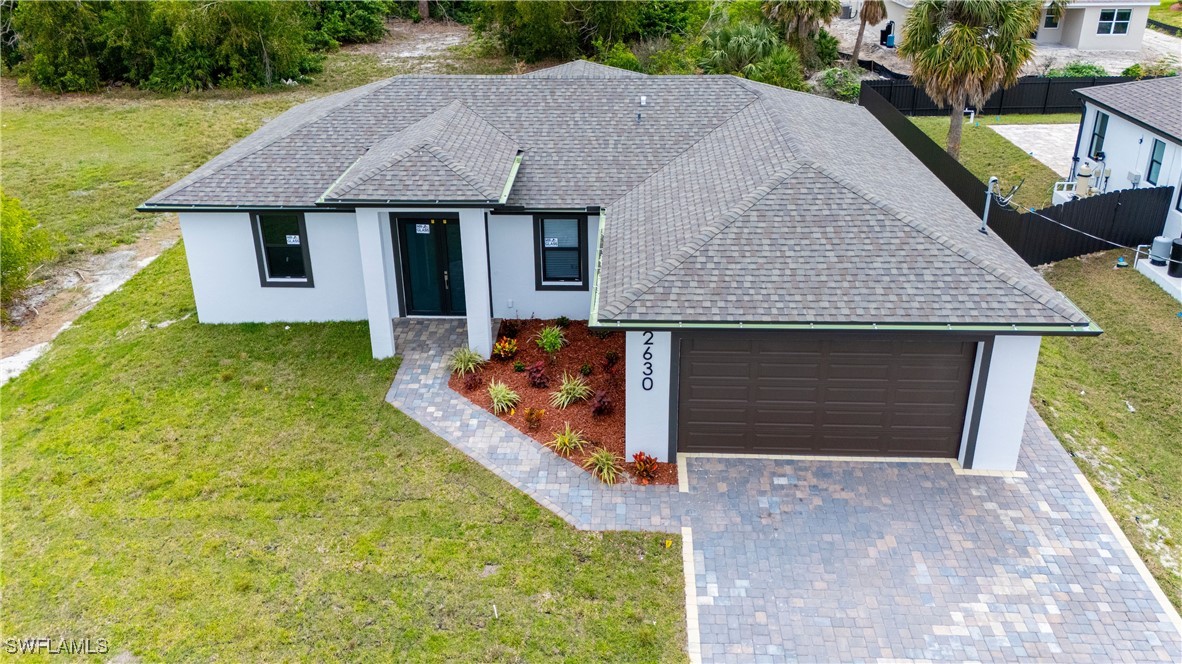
(573, 388)
(503, 398)
(464, 361)
(604, 464)
(568, 441)
(550, 340)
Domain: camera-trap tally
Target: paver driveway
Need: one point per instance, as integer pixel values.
(849, 560)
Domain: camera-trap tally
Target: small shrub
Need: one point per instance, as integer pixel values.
(536, 374)
(533, 418)
(645, 467)
(504, 400)
(782, 67)
(24, 245)
(471, 381)
(562, 322)
(519, 366)
(601, 404)
(464, 361)
(616, 55)
(1077, 68)
(568, 441)
(825, 51)
(505, 348)
(610, 358)
(605, 465)
(601, 333)
(586, 369)
(510, 328)
(550, 340)
(573, 388)
(843, 83)
(1164, 66)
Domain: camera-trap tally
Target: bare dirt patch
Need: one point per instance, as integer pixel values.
(415, 47)
(74, 287)
(583, 348)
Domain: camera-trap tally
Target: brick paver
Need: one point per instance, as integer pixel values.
(848, 560)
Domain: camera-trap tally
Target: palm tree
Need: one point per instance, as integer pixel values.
(964, 50)
(872, 13)
(801, 18)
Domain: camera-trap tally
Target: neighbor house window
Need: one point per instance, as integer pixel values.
(281, 245)
(1098, 131)
(1051, 21)
(561, 252)
(1153, 171)
(1114, 22)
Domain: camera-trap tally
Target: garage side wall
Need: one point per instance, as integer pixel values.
(648, 381)
(224, 270)
(1004, 402)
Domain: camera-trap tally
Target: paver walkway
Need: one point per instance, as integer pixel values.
(803, 560)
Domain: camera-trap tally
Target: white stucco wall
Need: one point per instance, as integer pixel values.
(1126, 149)
(1006, 400)
(1080, 25)
(646, 391)
(225, 274)
(512, 262)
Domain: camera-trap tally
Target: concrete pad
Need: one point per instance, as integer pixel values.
(1051, 144)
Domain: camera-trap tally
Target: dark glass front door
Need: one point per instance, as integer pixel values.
(432, 267)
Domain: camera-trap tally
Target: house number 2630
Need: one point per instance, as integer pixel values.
(647, 381)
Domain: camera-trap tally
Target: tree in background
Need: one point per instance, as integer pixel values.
(800, 20)
(962, 51)
(752, 50)
(23, 246)
(872, 13)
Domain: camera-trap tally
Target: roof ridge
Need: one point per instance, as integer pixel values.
(979, 260)
(385, 83)
(700, 239)
(679, 155)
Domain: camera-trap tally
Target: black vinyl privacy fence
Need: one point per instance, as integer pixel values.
(1128, 217)
(1031, 94)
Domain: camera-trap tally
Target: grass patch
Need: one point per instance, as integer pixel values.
(1134, 459)
(986, 153)
(82, 163)
(1162, 13)
(243, 492)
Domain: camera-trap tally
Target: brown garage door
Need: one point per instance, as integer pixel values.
(846, 396)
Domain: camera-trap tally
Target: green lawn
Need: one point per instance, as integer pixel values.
(985, 153)
(244, 493)
(1134, 459)
(1162, 13)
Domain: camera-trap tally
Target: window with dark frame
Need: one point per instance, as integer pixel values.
(281, 246)
(1099, 128)
(1156, 156)
(561, 252)
(1114, 22)
(1051, 21)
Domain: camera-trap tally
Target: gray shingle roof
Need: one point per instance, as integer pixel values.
(450, 155)
(1156, 102)
(724, 200)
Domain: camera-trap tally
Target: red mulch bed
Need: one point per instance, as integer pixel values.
(582, 347)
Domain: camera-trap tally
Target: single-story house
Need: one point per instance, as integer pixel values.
(1089, 25)
(791, 280)
(1130, 135)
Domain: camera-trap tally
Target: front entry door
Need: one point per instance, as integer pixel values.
(432, 267)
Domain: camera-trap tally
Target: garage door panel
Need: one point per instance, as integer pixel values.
(823, 396)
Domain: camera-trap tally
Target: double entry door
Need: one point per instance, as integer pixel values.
(432, 266)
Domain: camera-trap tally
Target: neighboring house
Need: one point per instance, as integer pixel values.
(1130, 136)
(790, 278)
(1091, 25)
